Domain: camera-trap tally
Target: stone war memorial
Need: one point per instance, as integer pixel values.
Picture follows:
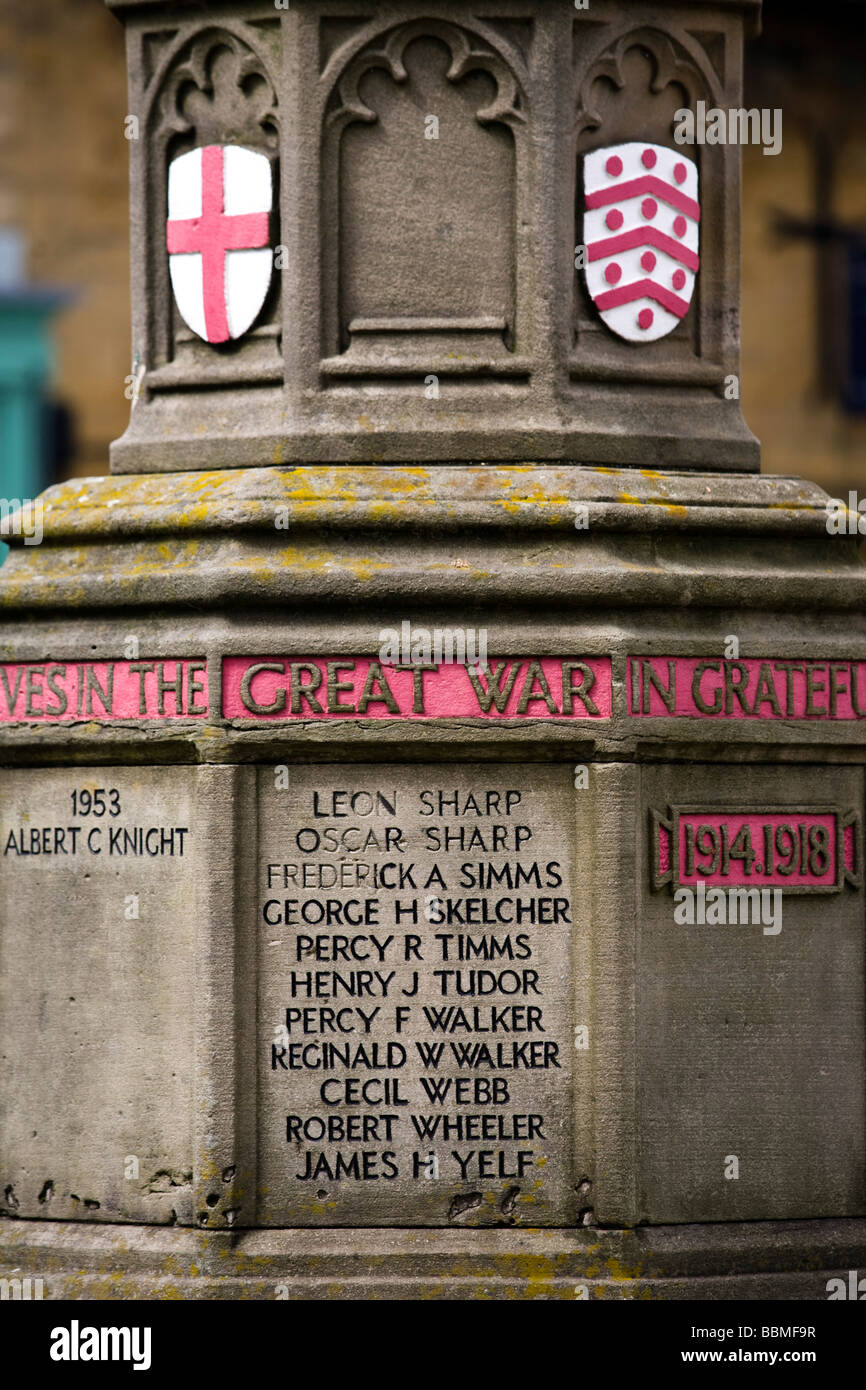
(432, 788)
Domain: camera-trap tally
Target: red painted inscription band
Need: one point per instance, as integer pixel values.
(509, 688)
(54, 692)
(363, 688)
(687, 687)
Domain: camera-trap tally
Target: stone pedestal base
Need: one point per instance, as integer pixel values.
(688, 1082)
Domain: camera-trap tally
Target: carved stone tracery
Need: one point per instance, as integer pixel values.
(468, 54)
(671, 65)
(217, 90)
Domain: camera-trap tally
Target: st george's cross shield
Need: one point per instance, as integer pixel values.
(218, 238)
(640, 230)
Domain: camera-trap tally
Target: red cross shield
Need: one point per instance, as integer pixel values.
(640, 230)
(218, 235)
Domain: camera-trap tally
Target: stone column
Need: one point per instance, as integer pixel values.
(433, 759)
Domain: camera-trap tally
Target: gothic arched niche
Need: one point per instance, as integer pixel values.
(422, 167)
(218, 92)
(212, 87)
(631, 90)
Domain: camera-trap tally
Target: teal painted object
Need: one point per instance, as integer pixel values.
(26, 364)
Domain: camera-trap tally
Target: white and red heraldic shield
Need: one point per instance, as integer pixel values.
(218, 238)
(640, 230)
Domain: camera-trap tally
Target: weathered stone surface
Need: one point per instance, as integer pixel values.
(751, 1028)
(755, 1260)
(454, 536)
(99, 904)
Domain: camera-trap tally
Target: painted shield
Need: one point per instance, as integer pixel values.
(218, 238)
(640, 229)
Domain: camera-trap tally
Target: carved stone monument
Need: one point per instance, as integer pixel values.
(433, 761)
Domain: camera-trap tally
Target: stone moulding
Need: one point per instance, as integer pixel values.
(753, 1260)
(103, 538)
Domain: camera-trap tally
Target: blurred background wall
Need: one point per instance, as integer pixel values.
(804, 245)
(63, 210)
(64, 193)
